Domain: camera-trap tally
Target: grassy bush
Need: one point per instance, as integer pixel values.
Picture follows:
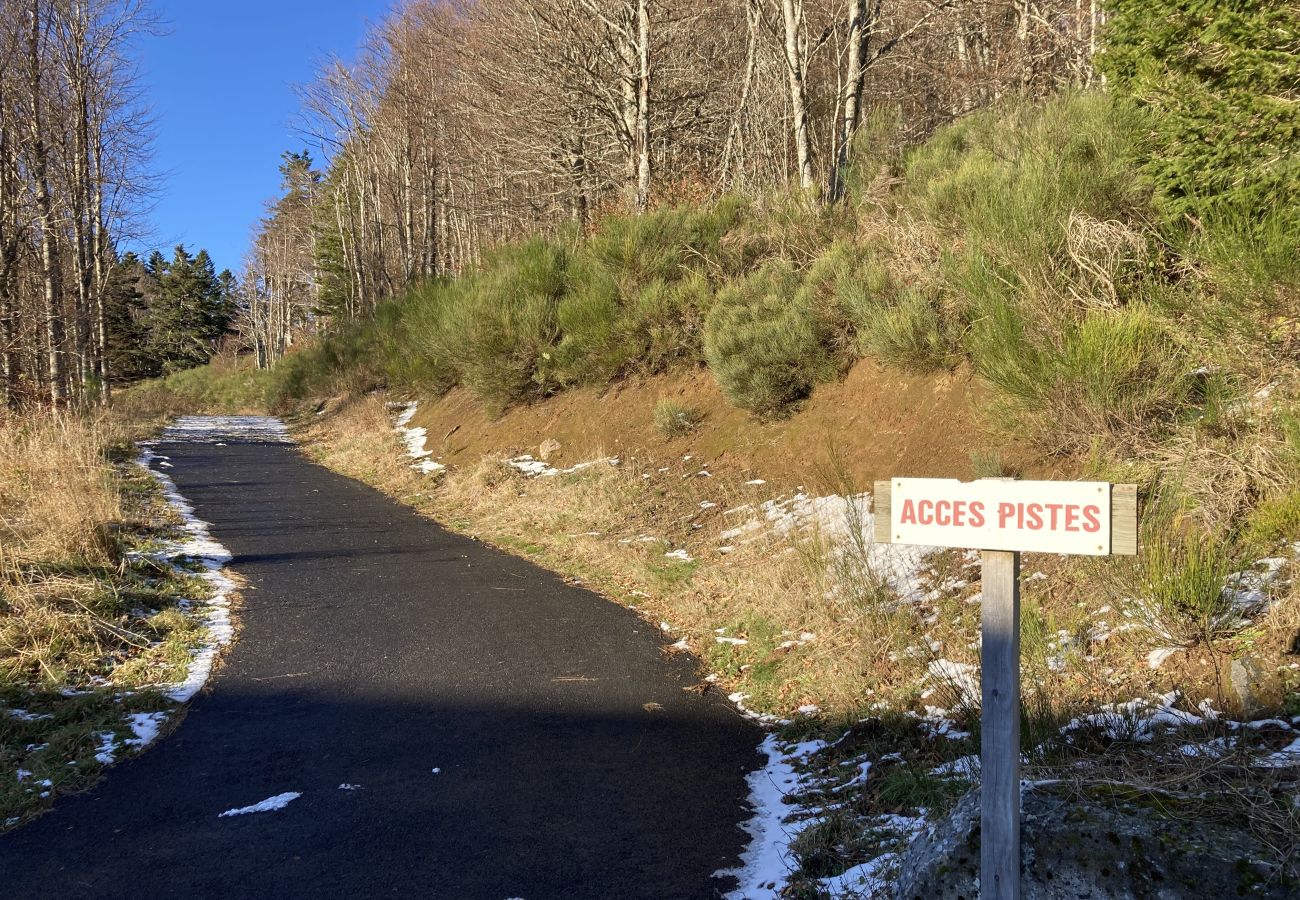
(207, 389)
(1182, 592)
(1006, 181)
(1110, 378)
(496, 329)
(764, 343)
(912, 334)
(673, 419)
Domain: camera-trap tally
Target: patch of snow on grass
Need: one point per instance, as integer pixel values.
(1139, 719)
(199, 545)
(270, 804)
(963, 678)
(845, 521)
(535, 468)
(415, 440)
(680, 556)
(766, 863)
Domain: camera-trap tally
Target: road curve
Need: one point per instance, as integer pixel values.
(459, 723)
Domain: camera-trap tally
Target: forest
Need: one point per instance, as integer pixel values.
(78, 312)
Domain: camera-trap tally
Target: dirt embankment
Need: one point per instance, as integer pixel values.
(873, 423)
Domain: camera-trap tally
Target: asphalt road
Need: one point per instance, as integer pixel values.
(376, 648)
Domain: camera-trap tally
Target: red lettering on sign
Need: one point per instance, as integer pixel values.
(1092, 519)
(1034, 517)
(1005, 512)
(977, 514)
(943, 513)
(1072, 518)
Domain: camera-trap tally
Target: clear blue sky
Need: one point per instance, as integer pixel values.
(220, 84)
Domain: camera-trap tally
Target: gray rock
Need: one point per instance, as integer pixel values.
(1091, 850)
(1246, 681)
(549, 448)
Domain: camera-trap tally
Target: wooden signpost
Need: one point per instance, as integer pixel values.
(1004, 518)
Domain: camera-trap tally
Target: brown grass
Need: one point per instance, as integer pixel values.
(57, 492)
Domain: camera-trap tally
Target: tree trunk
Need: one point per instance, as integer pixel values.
(859, 38)
(796, 71)
(52, 295)
(643, 106)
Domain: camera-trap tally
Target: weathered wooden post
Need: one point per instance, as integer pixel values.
(1002, 518)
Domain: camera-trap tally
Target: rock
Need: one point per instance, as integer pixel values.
(1086, 849)
(549, 448)
(1247, 678)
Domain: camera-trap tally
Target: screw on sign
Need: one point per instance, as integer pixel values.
(1005, 518)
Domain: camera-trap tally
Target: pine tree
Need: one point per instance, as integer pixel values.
(189, 308)
(124, 321)
(1222, 78)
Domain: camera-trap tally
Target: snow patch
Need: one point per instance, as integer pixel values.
(270, 804)
(844, 521)
(198, 545)
(415, 440)
(766, 863)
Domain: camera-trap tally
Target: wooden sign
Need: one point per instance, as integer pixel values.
(1003, 517)
(1083, 518)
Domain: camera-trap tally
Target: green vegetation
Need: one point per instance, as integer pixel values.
(673, 419)
(765, 342)
(165, 315)
(1223, 81)
(1020, 241)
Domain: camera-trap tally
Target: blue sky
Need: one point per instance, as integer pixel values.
(220, 84)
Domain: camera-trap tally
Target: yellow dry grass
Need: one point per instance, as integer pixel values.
(57, 491)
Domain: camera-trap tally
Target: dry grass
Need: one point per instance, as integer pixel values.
(57, 492)
(88, 621)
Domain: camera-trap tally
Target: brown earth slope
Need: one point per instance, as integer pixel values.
(873, 423)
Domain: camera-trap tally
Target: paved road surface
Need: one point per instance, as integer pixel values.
(375, 648)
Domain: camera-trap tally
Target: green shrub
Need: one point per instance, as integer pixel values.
(1113, 375)
(666, 244)
(673, 419)
(1038, 202)
(765, 345)
(912, 334)
(493, 331)
(1181, 590)
(1222, 79)
(588, 317)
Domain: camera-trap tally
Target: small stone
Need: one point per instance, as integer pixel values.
(1246, 678)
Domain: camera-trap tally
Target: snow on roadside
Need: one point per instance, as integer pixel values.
(196, 545)
(200, 546)
(270, 804)
(415, 440)
(766, 863)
